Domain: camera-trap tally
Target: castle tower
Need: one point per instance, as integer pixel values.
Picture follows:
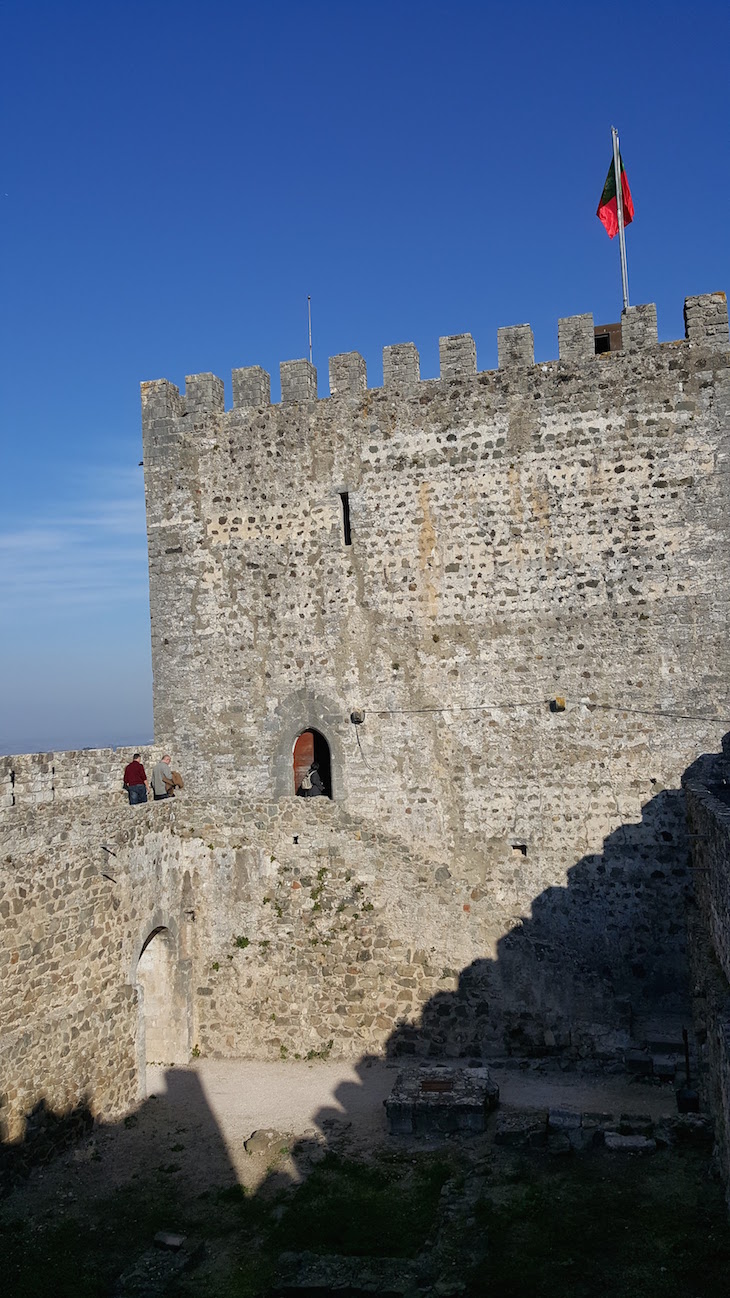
(448, 560)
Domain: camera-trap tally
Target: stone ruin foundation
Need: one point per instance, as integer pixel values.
(440, 1099)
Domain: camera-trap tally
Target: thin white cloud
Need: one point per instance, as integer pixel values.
(89, 548)
(31, 540)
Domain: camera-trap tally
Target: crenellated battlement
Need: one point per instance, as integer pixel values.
(706, 325)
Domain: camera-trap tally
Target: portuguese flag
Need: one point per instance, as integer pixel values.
(607, 208)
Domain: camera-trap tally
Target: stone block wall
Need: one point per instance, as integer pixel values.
(706, 320)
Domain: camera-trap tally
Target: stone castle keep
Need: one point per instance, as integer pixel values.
(499, 599)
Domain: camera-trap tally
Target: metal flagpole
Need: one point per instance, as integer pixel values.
(620, 214)
(309, 317)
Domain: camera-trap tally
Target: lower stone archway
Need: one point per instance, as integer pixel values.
(163, 982)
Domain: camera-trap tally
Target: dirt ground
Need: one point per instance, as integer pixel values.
(197, 1118)
(301, 1099)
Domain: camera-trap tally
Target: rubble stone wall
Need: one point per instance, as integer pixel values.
(29, 779)
(295, 929)
(708, 804)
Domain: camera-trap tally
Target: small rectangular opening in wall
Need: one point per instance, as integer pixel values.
(520, 847)
(607, 338)
(345, 498)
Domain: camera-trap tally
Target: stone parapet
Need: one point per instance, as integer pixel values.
(639, 328)
(32, 779)
(204, 394)
(515, 346)
(298, 381)
(348, 374)
(457, 356)
(251, 387)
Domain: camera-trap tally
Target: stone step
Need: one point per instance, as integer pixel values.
(664, 1066)
(629, 1144)
(665, 1045)
(359, 1277)
(639, 1063)
(658, 1063)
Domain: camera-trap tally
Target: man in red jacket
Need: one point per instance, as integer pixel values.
(135, 781)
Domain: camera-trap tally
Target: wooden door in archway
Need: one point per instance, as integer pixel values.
(303, 756)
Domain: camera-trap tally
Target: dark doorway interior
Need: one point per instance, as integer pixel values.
(312, 747)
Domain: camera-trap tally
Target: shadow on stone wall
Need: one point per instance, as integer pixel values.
(47, 1134)
(573, 963)
(591, 964)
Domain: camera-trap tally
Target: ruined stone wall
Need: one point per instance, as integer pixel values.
(708, 805)
(539, 532)
(293, 929)
(296, 929)
(316, 932)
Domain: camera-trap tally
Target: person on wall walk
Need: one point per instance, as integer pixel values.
(165, 780)
(135, 781)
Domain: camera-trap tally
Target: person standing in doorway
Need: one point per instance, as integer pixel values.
(317, 784)
(135, 781)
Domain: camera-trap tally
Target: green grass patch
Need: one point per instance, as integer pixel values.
(80, 1256)
(361, 1210)
(590, 1226)
(622, 1228)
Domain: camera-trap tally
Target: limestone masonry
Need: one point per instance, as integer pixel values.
(500, 601)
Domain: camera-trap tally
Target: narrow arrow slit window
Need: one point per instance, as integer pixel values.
(345, 498)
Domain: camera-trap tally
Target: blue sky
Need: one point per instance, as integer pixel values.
(177, 177)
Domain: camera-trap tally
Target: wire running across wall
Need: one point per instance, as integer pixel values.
(542, 703)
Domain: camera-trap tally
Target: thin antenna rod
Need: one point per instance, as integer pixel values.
(620, 215)
(309, 317)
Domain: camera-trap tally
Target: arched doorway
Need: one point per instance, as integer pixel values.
(163, 982)
(311, 748)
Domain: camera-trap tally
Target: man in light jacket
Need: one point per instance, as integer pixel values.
(162, 781)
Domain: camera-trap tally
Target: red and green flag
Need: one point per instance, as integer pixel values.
(607, 212)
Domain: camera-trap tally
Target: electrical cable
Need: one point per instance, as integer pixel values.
(537, 703)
